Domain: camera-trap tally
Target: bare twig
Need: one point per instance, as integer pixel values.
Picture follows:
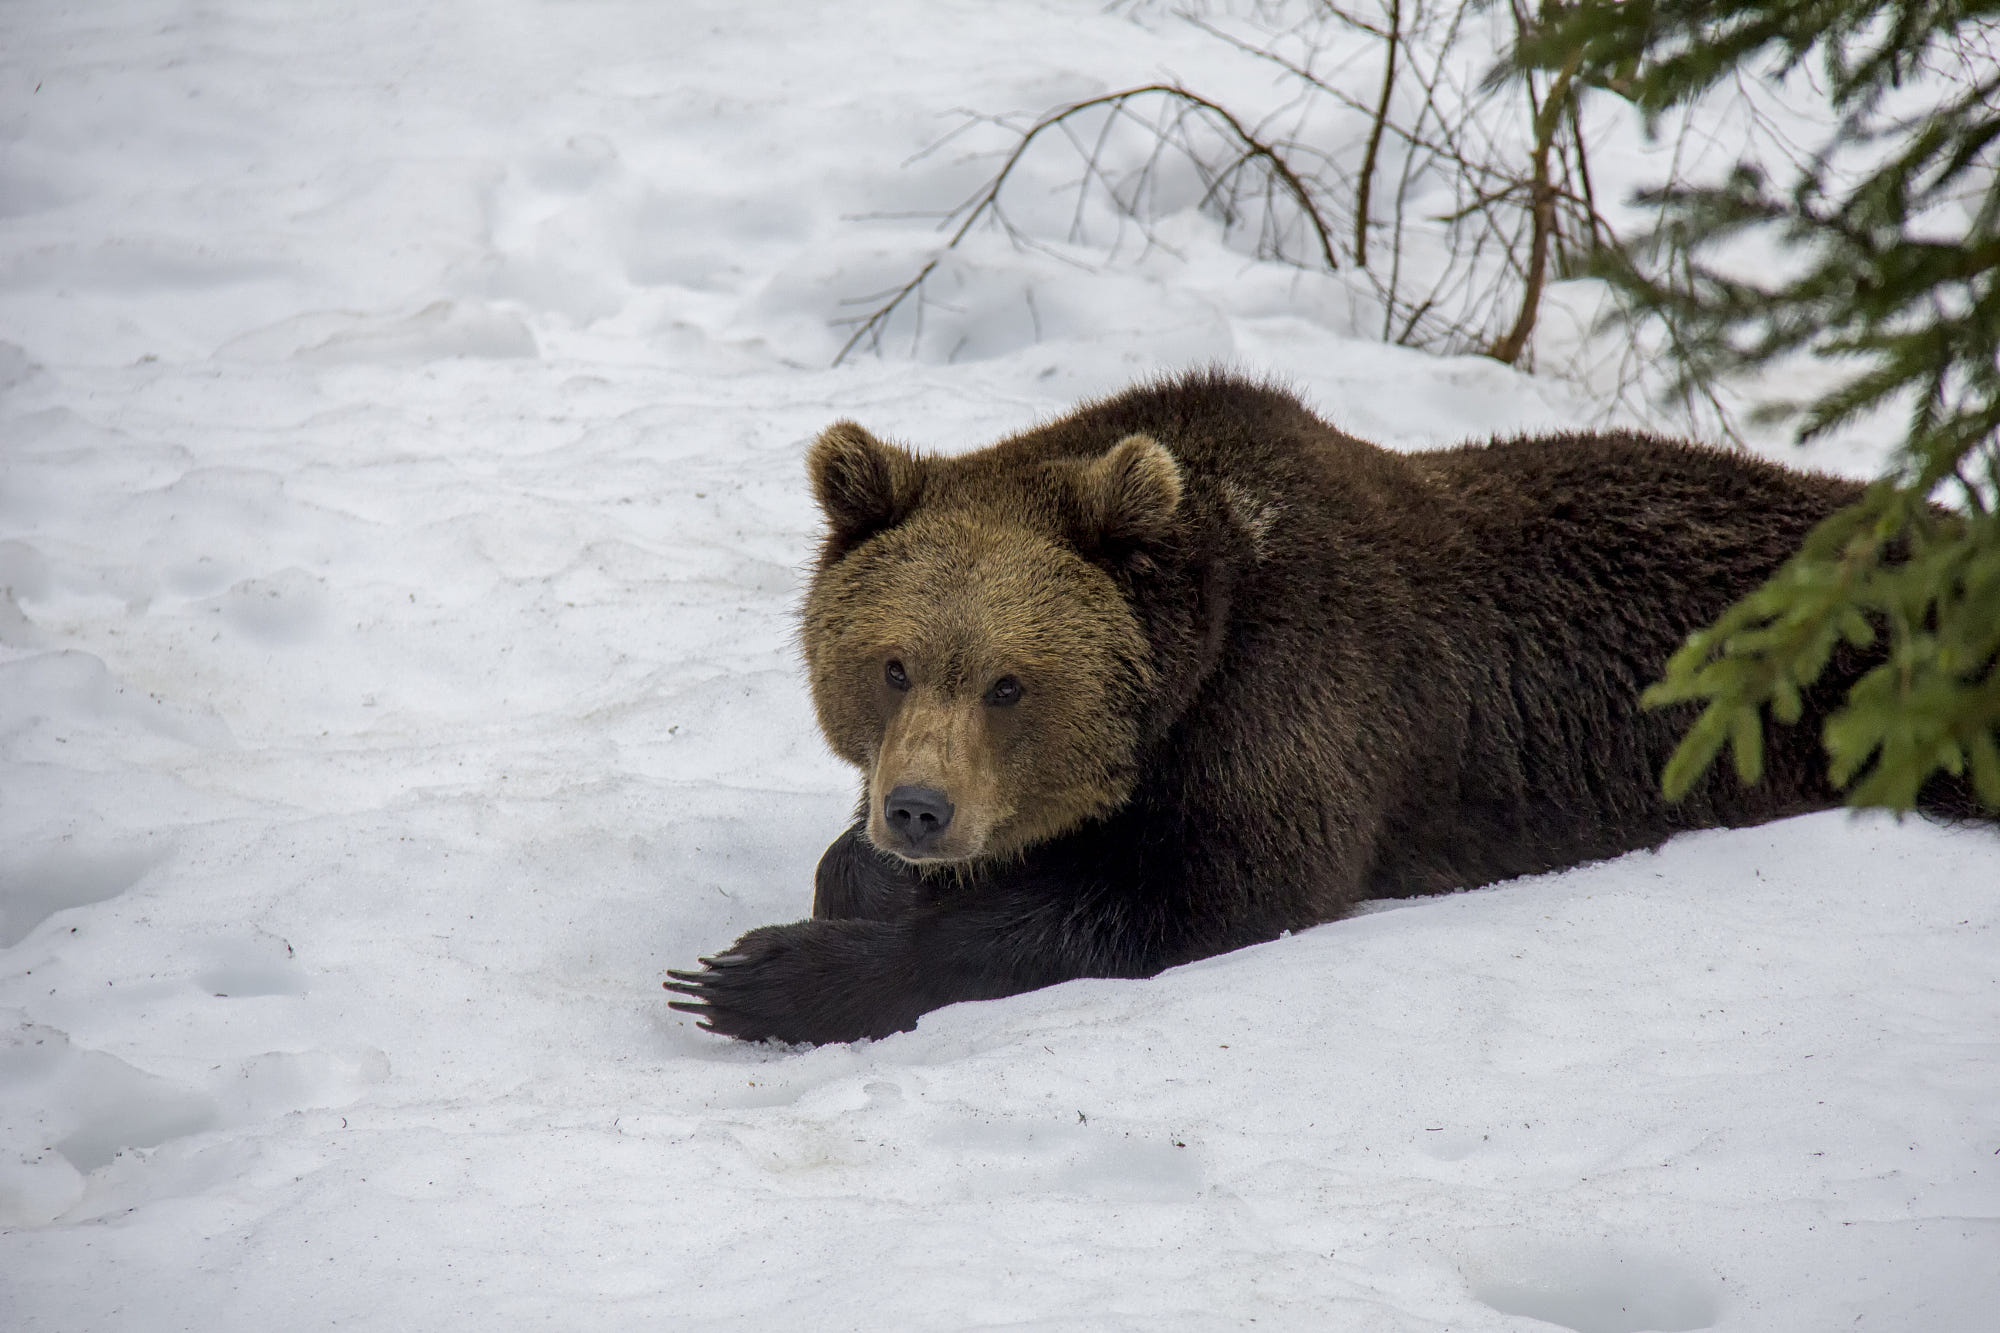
(1394, 42)
(1465, 273)
(985, 202)
(1543, 210)
(876, 323)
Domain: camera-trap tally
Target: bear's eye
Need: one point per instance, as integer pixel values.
(1006, 691)
(898, 678)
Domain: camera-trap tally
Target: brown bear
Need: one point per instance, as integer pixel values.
(1189, 668)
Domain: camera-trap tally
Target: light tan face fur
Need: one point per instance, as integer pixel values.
(961, 601)
(965, 605)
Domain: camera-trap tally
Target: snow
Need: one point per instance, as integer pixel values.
(401, 518)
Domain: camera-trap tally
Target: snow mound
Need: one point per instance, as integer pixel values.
(401, 523)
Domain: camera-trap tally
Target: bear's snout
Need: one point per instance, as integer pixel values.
(917, 816)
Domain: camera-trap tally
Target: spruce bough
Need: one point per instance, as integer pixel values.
(1895, 225)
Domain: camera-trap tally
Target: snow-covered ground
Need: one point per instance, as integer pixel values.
(401, 514)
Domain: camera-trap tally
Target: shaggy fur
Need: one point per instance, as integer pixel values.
(1264, 670)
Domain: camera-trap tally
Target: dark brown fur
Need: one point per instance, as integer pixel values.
(1268, 671)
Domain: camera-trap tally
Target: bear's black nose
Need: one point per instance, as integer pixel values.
(918, 816)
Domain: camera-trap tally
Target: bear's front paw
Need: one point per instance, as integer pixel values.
(812, 981)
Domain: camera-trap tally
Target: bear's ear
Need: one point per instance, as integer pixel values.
(862, 484)
(1130, 495)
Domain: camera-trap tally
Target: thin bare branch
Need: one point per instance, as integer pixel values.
(1393, 40)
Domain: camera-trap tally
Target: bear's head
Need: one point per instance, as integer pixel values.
(971, 638)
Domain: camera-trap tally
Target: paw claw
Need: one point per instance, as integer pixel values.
(690, 1006)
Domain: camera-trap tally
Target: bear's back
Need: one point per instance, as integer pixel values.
(1478, 621)
(1582, 562)
(1450, 645)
